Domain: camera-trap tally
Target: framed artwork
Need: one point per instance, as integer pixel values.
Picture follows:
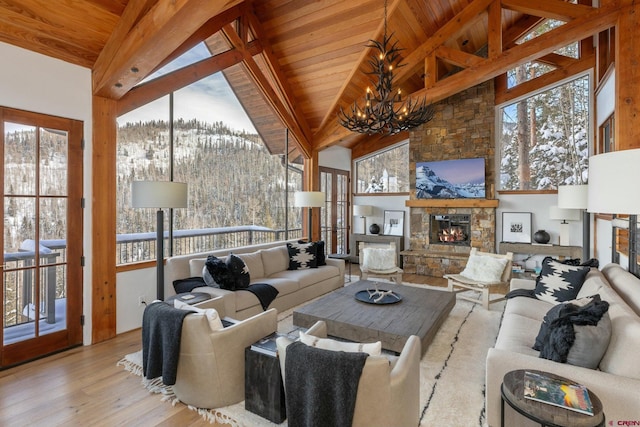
(393, 223)
(516, 227)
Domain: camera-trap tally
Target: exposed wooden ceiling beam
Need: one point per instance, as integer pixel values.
(134, 50)
(457, 57)
(550, 9)
(156, 88)
(555, 76)
(269, 93)
(591, 23)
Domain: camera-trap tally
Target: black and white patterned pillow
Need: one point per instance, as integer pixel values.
(239, 271)
(320, 255)
(302, 255)
(559, 282)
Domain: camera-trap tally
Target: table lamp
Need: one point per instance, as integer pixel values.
(159, 194)
(564, 215)
(575, 197)
(363, 211)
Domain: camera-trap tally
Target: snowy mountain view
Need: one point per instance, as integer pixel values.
(450, 179)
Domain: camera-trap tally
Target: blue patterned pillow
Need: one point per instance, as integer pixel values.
(239, 271)
(559, 282)
(302, 255)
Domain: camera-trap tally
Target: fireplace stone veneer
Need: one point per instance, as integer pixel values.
(429, 257)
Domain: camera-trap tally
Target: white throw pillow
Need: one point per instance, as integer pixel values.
(378, 258)
(484, 268)
(210, 313)
(372, 349)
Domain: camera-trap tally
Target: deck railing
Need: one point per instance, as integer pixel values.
(134, 247)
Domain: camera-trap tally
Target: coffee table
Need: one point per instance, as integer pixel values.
(421, 312)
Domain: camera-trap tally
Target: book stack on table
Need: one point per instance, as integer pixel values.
(556, 392)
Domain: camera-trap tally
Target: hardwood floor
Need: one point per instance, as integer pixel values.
(84, 387)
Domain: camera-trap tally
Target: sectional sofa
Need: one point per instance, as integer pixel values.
(616, 381)
(267, 263)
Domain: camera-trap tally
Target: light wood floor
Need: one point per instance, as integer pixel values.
(84, 387)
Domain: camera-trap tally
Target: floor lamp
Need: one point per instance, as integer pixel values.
(612, 177)
(575, 197)
(159, 194)
(309, 199)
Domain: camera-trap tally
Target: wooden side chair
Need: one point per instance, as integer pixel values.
(483, 271)
(379, 261)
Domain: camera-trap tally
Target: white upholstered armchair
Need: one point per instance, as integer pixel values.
(379, 261)
(389, 387)
(211, 364)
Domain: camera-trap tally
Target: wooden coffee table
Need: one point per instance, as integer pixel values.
(420, 312)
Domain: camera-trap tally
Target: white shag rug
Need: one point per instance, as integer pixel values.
(452, 371)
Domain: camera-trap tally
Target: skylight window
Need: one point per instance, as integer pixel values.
(196, 54)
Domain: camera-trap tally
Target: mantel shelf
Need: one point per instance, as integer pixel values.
(452, 203)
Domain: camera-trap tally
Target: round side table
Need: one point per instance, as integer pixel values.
(548, 415)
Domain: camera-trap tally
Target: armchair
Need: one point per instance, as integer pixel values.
(379, 261)
(211, 365)
(389, 387)
(483, 270)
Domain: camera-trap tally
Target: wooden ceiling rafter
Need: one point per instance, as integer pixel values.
(269, 93)
(162, 30)
(598, 19)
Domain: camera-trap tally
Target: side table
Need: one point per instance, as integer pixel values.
(548, 415)
(347, 260)
(263, 386)
(190, 298)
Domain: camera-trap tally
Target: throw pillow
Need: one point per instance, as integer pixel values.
(579, 335)
(239, 271)
(219, 272)
(187, 285)
(484, 268)
(302, 256)
(378, 258)
(372, 349)
(559, 282)
(320, 255)
(555, 312)
(210, 313)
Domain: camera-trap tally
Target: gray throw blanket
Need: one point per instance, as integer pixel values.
(321, 385)
(161, 333)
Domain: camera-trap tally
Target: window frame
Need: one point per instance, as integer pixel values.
(377, 153)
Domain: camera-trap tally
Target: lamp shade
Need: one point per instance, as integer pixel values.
(612, 180)
(158, 194)
(564, 214)
(572, 196)
(308, 199)
(363, 210)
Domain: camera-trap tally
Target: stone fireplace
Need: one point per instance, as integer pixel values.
(463, 127)
(450, 229)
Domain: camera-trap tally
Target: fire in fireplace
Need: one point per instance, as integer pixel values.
(450, 229)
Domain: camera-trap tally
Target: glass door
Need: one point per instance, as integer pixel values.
(335, 219)
(42, 237)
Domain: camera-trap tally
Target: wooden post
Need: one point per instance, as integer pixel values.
(627, 112)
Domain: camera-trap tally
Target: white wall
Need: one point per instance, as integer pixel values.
(131, 285)
(33, 82)
(335, 157)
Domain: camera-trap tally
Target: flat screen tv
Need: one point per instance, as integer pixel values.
(450, 179)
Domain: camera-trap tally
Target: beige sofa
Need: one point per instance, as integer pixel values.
(389, 387)
(617, 379)
(211, 371)
(267, 263)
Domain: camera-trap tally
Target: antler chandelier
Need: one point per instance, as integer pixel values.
(382, 110)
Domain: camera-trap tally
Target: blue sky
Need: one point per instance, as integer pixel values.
(208, 100)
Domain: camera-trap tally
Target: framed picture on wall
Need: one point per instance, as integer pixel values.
(516, 227)
(393, 223)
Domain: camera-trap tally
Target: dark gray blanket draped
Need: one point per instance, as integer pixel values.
(321, 385)
(161, 333)
(264, 292)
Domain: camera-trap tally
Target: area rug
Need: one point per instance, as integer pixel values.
(452, 371)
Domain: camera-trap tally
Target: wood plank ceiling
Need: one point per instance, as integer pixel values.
(292, 63)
